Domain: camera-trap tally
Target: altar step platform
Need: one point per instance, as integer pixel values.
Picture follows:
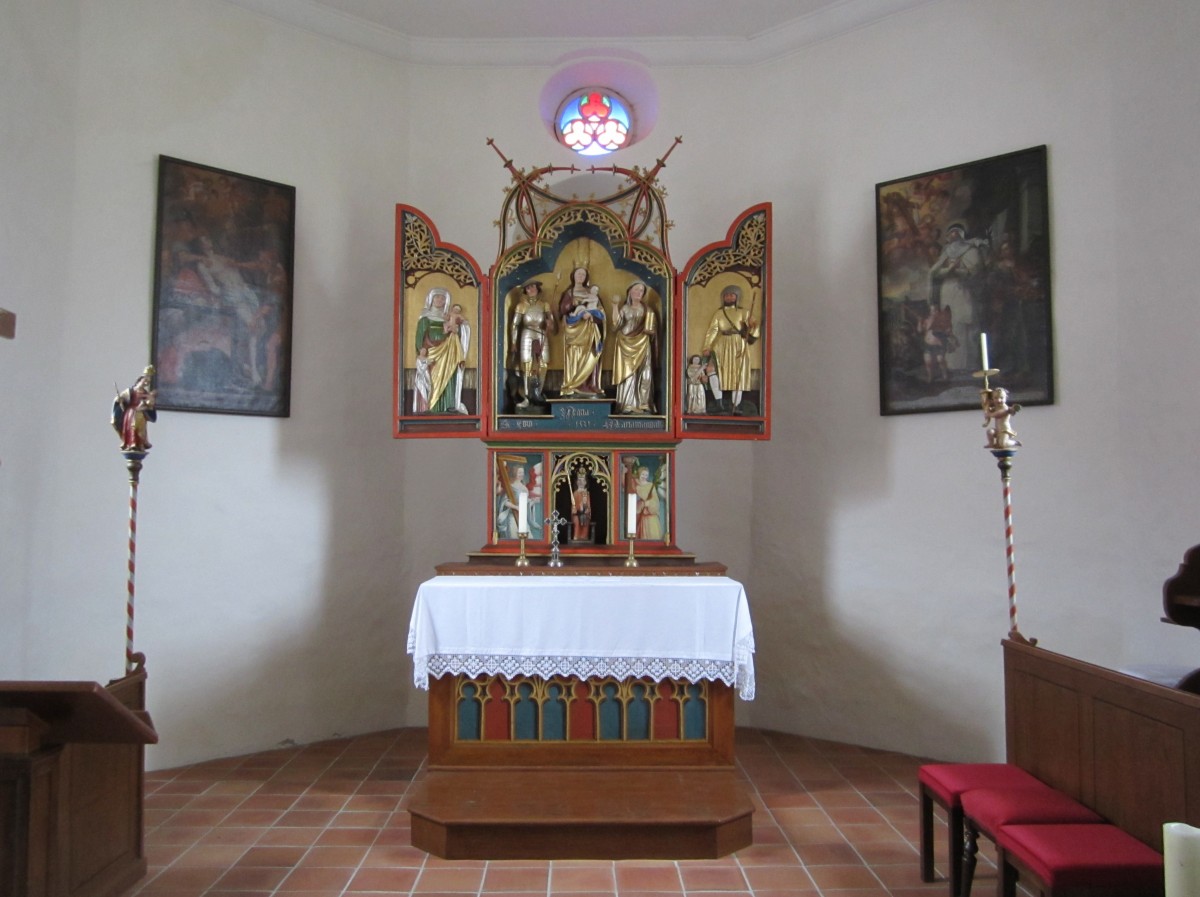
(592, 813)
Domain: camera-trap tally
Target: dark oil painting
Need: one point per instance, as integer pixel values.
(965, 251)
(223, 291)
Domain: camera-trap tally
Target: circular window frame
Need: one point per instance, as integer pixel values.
(623, 115)
(625, 76)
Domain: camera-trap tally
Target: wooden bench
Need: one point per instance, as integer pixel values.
(1060, 860)
(945, 784)
(1118, 746)
(1126, 748)
(991, 811)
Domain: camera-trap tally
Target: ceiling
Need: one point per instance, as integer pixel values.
(544, 32)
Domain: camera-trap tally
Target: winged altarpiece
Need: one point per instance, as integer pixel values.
(584, 357)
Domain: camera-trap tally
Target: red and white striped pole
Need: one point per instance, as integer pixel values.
(135, 466)
(1004, 462)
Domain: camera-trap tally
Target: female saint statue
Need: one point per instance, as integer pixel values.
(443, 336)
(635, 340)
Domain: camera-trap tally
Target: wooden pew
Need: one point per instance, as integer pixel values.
(1120, 745)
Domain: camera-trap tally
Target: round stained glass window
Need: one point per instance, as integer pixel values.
(595, 122)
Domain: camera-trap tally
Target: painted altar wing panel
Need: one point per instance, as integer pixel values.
(439, 343)
(723, 335)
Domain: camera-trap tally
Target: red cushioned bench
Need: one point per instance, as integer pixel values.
(986, 811)
(1121, 746)
(1063, 860)
(945, 784)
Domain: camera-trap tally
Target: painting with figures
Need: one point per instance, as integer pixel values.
(222, 291)
(436, 387)
(962, 252)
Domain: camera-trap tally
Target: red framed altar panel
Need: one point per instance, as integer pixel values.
(545, 358)
(550, 475)
(742, 261)
(617, 238)
(618, 241)
(426, 268)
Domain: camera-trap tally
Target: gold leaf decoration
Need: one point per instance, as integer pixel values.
(421, 255)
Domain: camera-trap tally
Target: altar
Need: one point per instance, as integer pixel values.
(582, 667)
(581, 715)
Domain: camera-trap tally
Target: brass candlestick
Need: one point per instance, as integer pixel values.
(631, 561)
(1002, 442)
(522, 559)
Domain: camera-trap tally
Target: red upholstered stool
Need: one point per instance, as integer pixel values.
(985, 810)
(945, 784)
(1068, 859)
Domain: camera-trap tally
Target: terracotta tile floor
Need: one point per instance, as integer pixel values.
(325, 820)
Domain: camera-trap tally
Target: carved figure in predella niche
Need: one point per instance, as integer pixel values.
(583, 324)
(581, 509)
(442, 340)
(532, 324)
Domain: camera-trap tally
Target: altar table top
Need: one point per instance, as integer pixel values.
(678, 627)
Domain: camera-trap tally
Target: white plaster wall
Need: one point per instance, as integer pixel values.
(272, 588)
(35, 213)
(277, 558)
(879, 584)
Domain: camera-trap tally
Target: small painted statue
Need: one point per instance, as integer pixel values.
(998, 413)
(132, 409)
(581, 509)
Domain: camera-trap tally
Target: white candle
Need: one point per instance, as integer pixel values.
(631, 514)
(983, 349)
(523, 513)
(1181, 859)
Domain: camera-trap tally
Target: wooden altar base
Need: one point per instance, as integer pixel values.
(612, 814)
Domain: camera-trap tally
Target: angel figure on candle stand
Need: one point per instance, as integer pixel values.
(132, 409)
(998, 413)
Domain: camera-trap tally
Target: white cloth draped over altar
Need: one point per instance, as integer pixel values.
(677, 627)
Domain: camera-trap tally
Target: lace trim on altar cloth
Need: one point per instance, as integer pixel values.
(738, 673)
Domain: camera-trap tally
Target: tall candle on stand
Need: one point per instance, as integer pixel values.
(983, 350)
(631, 514)
(523, 513)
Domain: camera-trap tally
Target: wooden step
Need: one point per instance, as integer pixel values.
(590, 813)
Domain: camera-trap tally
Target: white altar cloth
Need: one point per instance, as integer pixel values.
(677, 627)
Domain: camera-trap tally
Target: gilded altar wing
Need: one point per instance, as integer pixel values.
(724, 386)
(437, 351)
